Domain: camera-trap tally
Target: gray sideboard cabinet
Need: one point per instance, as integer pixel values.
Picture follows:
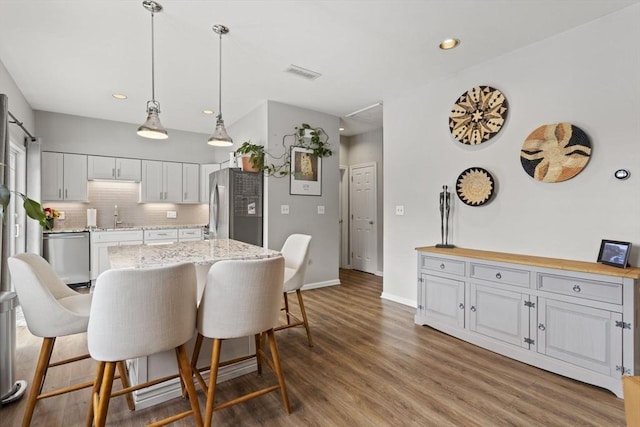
(573, 318)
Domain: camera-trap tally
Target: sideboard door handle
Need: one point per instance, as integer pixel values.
(576, 288)
(442, 266)
(498, 276)
(461, 305)
(473, 308)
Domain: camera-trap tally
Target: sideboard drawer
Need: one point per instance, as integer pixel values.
(443, 265)
(510, 276)
(590, 289)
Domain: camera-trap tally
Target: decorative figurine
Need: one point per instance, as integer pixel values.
(445, 208)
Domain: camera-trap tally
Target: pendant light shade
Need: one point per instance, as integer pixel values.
(152, 128)
(220, 137)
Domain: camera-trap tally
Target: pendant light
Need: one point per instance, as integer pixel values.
(220, 137)
(152, 128)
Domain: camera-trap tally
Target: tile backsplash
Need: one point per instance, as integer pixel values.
(104, 195)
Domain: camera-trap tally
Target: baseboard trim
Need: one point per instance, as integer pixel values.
(324, 284)
(395, 298)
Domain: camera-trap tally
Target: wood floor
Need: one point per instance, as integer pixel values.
(370, 366)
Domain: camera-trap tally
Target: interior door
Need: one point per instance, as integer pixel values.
(343, 222)
(363, 204)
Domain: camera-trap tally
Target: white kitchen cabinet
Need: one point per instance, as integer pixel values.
(64, 177)
(186, 234)
(190, 183)
(161, 182)
(573, 318)
(102, 240)
(164, 235)
(205, 171)
(114, 168)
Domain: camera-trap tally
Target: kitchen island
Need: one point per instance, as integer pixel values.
(203, 254)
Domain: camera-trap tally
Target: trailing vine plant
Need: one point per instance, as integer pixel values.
(305, 136)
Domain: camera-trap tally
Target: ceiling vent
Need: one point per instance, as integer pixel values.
(302, 72)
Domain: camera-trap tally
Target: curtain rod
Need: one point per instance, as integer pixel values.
(19, 123)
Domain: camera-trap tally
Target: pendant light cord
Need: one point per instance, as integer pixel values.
(220, 77)
(153, 71)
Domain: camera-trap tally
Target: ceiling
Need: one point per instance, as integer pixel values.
(71, 56)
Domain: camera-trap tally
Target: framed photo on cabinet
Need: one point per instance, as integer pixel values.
(614, 253)
(305, 173)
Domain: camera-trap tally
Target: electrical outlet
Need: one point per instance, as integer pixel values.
(320, 209)
(172, 214)
(400, 210)
(61, 216)
(284, 209)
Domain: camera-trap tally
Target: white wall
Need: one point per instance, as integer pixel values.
(588, 76)
(304, 217)
(18, 106)
(84, 135)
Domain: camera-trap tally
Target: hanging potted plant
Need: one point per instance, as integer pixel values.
(314, 139)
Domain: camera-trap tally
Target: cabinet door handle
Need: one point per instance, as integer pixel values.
(498, 276)
(113, 172)
(541, 327)
(576, 288)
(442, 266)
(165, 195)
(118, 171)
(185, 195)
(66, 193)
(461, 306)
(473, 308)
(59, 193)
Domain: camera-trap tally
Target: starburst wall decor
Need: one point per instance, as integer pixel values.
(478, 115)
(475, 186)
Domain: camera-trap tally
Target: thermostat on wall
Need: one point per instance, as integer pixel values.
(622, 174)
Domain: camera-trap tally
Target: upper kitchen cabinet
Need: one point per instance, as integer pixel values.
(190, 183)
(64, 177)
(113, 168)
(161, 182)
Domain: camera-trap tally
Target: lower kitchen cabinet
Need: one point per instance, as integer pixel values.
(100, 242)
(569, 317)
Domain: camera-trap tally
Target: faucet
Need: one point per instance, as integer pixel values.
(115, 217)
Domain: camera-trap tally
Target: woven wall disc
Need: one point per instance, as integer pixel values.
(475, 186)
(556, 152)
(478, 115)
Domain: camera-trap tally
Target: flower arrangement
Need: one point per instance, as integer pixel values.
(50, 213)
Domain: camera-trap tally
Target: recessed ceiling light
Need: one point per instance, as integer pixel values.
(119, 96)
(208, 112)
(340, 129)
(449, 44)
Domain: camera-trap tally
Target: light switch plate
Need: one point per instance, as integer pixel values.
(284, 209)
(400, 210)
(172, 214)
(320, 209)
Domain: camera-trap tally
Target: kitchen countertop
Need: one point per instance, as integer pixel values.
(199, 252)
(142, 227)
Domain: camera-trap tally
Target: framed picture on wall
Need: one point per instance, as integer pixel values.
(614, 253)
(305, 173)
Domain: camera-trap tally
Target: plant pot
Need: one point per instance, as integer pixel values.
(247, 166)
(49, 223)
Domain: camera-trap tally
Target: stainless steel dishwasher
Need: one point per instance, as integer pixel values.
(68, 254)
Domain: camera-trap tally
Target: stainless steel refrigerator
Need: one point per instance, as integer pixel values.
(235, 205)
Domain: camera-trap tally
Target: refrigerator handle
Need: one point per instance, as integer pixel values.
(215, 209)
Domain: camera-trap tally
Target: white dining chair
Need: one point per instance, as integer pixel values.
(139, 312)
(51, 310)
(296, 256)
(241, 299)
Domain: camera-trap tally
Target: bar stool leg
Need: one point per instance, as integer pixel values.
(105, 394)
(304, 317)
(275, 356)
(38, 379)
(213, 379)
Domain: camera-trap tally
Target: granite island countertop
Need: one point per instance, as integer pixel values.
(199, 252)
(125, 228)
